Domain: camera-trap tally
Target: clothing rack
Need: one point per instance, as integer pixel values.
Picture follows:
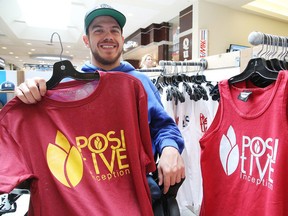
(202, 63)
(175, 66)
(215, 67)
(151, 70)
(259, 38)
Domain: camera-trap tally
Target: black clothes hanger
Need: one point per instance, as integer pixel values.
(258, 72)
(188, 89)
(214, 93)
(254, 71)
(176, 94)
(276, 64)
(64, 69)
(199, 78)
(279, 62)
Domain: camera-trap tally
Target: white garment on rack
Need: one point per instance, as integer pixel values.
(195, 118)
(169, 105)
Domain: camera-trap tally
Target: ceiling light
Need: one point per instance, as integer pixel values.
(52, 58)
(46, 14)
(278, 8)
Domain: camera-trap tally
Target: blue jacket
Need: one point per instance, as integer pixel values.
(164, 132)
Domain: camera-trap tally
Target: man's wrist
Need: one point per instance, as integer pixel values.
(168, 143)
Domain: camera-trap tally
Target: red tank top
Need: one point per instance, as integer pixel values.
(244, 153)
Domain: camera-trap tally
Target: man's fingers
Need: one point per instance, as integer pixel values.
(42, 86)
(21, 96)
(182, 173)
(168, 182)
(160, 176)
(178, 178)
(24, 94)
(171, 168)
(32, 90)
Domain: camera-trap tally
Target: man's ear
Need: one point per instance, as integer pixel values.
(86, 41)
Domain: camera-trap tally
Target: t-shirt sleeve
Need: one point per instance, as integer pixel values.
(13, 169)
(145, 134)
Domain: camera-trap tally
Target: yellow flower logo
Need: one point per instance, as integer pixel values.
(64, 161)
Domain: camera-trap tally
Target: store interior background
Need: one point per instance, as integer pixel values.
(27, 51)
(26, 48)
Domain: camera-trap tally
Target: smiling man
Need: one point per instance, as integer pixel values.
(103, 36)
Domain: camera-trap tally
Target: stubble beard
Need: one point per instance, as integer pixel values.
(105, 62)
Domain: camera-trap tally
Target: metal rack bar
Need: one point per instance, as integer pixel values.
(256, 38)
(202, 63)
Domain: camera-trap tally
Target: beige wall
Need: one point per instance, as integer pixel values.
(227, 26)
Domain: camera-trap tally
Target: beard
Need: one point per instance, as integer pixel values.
(103, 61)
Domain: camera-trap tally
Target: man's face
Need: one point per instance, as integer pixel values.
(105, 41)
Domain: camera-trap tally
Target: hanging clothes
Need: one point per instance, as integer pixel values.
(85, 147)
(195, 119)
(244, 152)
(186, 98)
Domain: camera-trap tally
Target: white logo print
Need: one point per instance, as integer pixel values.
(257, 157)
(229, 151)
(258, 160)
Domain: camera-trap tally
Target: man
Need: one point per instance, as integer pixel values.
(103, 28)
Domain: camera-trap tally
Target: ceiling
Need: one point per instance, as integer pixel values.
(20, 42)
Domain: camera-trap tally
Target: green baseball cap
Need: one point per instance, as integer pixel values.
(104, 10)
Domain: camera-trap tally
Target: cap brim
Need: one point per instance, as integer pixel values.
(118, 16)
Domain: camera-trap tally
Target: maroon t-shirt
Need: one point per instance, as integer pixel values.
(86, 145)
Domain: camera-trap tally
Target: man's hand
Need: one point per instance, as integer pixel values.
(31, 90)
(170, 168)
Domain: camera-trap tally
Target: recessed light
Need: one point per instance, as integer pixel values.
(45, 57)
(42, 18)
(276, 8)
